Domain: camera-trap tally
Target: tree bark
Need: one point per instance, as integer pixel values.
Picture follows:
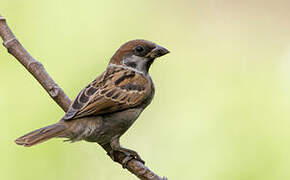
(57, 94)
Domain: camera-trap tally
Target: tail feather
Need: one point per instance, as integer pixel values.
(40, 135)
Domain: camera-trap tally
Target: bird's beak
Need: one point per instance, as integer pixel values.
(158, 51)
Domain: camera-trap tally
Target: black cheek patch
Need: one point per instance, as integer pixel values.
(131, 64)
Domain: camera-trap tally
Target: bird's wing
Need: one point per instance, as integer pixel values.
(116, 89)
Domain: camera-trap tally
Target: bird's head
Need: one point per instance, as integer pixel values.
(138, 54)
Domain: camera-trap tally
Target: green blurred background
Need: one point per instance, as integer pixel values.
(221, 110)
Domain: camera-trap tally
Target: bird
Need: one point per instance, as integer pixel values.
(105, 109)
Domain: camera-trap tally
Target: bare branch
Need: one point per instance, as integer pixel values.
(137, 168)
(57, 94)
(32, 65)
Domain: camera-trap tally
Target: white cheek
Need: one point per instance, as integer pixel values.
(132, 58)
(139, 61)
(135, 59)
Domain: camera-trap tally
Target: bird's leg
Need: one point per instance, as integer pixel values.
(130, 154)
(109, 150)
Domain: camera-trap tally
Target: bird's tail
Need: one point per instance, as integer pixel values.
(41, 135)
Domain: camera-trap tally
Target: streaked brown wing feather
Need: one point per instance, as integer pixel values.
(116, 89)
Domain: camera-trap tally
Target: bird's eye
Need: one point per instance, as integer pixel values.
(139, 49)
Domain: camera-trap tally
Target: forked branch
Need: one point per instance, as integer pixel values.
(57, 94)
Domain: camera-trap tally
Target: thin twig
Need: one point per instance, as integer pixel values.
(32, 65)
(57, 94)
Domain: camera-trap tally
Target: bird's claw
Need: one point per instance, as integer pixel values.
(129, 155)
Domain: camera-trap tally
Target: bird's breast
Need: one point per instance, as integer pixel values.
(102, 129)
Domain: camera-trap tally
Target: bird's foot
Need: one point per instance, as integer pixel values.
(129, 155)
